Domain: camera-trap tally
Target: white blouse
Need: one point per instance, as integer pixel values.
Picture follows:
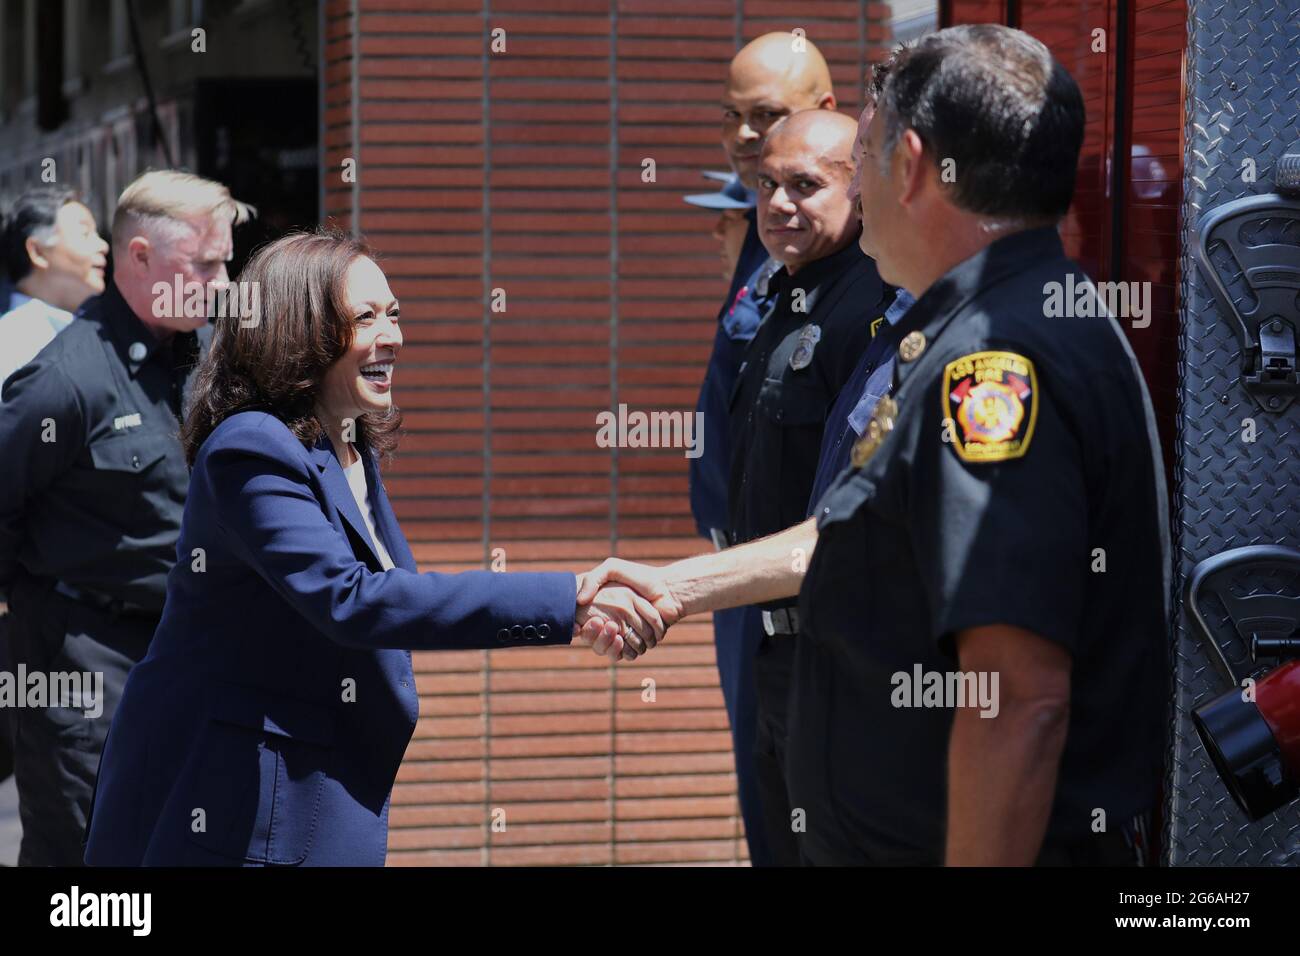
(356, 473)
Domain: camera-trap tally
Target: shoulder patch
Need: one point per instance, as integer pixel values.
(991, 398)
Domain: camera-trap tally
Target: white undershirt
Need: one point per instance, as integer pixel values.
(356, 473)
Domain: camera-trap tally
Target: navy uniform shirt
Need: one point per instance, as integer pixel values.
(1012, 478)
(798, 362)
(738, 318)
(870, 382)
(94, 478)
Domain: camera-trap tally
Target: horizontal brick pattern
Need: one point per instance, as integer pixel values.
(521, 171)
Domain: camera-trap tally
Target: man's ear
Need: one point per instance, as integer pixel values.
(36, 253)
(826, 101)
(138, 252)
(910, 153)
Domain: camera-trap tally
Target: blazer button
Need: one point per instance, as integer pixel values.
(517, 632)
(530, 633)
(503, 635)
(544, 630)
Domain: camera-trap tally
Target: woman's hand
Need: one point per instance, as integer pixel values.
(618, 622)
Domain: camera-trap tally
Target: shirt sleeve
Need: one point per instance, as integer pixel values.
(997, 501)
(42, 431)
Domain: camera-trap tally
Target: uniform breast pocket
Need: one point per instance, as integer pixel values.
(263, 764)
(793, 404)
(129, 454)
(142, 473)
(791, 415)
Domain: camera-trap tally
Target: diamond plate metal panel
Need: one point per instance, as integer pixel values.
(1243, 103)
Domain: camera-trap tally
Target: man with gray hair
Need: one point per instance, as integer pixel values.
(93, 489)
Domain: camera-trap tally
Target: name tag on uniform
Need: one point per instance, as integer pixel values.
(126, 421)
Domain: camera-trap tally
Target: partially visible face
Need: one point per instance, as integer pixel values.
(197, 252)
(804, 211)
(752, 102)
(361, 381)
(876, 192)
(859, 150)
(730, 232)
(76, 257)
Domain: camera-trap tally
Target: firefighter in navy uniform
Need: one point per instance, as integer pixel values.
(771, 77)
(1004, 517)
(93, 487)
(826, 296)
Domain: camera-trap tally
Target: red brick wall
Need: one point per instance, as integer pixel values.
(522, 171)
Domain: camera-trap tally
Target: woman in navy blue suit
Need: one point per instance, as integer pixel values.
(268, 719)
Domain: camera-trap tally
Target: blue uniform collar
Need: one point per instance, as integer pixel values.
(135, 344)
(949, 294)
(816, 274)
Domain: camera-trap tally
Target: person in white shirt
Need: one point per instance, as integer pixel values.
(54, 257)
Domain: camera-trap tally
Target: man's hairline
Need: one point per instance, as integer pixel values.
(147, 224)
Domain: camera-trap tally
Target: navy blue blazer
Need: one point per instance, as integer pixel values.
(268, 719)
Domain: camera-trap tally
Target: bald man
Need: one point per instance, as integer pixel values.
(827, 298)
(772, 77)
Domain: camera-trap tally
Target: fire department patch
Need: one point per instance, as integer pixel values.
(991, 400)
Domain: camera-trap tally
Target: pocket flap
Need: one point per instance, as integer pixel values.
(128, 452)
(283, 716)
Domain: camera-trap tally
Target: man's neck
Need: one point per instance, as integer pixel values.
(948, 243)
(142, 310)
(34, 285)
(791, 268)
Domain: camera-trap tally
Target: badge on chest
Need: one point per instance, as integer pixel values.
(802, 356)
(880, 425)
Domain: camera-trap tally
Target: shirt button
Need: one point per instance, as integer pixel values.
(826, 511)
(135, 461)
(137, 351)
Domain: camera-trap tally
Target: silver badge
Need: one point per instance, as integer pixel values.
(809, 336)
(137, 351)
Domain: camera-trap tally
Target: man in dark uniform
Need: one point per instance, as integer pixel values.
(93, 488)
(1004, 517)
(826, 294)
(771, 77)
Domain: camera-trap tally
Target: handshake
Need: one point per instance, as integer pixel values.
(624, 609)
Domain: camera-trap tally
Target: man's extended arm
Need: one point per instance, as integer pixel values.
(764, 570)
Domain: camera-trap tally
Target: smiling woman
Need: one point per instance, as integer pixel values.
(267, 722)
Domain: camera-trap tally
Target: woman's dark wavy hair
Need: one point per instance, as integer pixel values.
(277, 362)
